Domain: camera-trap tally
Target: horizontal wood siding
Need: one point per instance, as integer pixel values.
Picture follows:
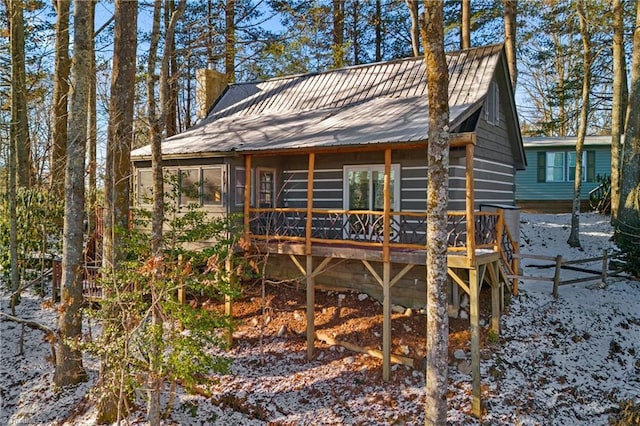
(529, 189)
(494, 182)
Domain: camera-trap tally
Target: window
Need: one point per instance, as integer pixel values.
(212, 185)
(239, 182)
(195, 185)
(560, 166)
(145, 186)
(492, 104)
(266, 187)
(364, 190)
(189, 186)
(364, 187)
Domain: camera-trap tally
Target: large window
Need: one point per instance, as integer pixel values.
(560, 166)
(197, 185)
(364, 187)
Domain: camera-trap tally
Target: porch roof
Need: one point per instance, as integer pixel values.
(355, 106)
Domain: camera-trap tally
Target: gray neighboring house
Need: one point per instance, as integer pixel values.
(547, 183)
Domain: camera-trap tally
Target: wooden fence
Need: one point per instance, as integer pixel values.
(559, 263)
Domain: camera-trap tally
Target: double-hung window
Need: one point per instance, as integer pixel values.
(560, 166)
(266, 187)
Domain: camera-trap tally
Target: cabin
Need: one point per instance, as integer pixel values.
(329, 172)
(547, 184)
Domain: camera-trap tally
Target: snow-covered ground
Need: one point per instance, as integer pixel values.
(559, 362)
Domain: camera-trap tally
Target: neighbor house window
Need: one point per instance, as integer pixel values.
(492, 104)
(560, 166)
(266, 180)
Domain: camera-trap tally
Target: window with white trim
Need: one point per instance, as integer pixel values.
(560, 166)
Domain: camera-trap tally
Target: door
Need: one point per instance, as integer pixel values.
(364, 190)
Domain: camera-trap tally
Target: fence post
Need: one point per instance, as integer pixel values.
(556, 278)
(605, 266)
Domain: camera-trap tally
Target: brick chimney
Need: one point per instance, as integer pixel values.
(209, 86)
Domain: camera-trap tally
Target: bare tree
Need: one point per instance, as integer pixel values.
(628, 222)
(19, 128)
(60, 96)
(437, 200)
(510, 11)
(155, 374)
(69, 369)
(465, 24)
(120, 130)
(619, 104)
(230, 41)
(338, 33)
(574, 235)
(92, 144)
(412, 5)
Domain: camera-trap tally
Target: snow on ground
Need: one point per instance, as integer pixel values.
(559, 362)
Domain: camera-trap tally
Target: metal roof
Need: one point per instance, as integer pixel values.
(563, 141)
(368, 104)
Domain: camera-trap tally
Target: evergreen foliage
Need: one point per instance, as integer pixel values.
(188, 332)
(39, 216)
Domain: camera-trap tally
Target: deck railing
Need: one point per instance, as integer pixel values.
(366, 227)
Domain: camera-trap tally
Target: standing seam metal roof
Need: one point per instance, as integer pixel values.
(375, 103)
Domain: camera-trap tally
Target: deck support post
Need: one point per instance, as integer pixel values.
(247, 195)
(470, 204)
(228, 302)
(311, 300)
(386, 321)
(496, 288)
(474, 318)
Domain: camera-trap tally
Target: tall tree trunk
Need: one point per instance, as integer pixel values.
(19, 114)
(355, 12)
(120, 130)
(510, 22)
(60, 97)
(92, 143)
(437, 200)
(69, 369)
(574, 235)
(619, 105)
(155, 134)
(412, 5)
(230, 41)
(156, 350)
(465, 24)
(12, 180)
(378, 26)
(628, 222)
(338, 33)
